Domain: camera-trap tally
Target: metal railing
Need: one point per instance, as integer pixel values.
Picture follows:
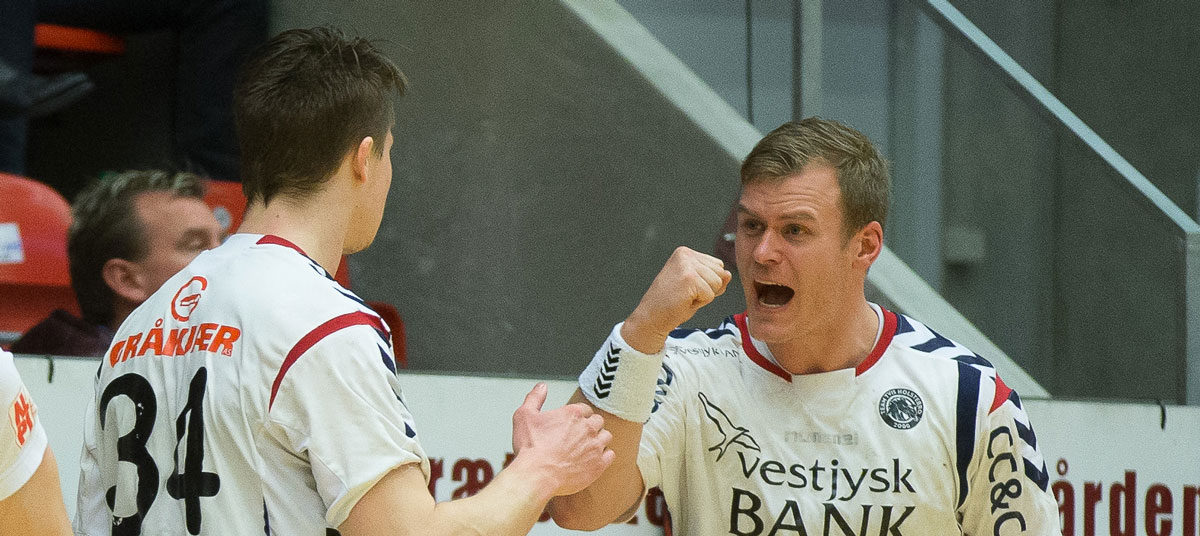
(1183, 227)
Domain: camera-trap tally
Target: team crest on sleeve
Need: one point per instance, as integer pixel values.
(901, 408)
(20, 416)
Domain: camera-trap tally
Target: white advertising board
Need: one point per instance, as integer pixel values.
(1121, 469)
(1115, 468)
(464, 422)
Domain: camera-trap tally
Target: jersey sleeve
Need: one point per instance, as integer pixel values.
(663, 433)
(22, 439)
(340, 406)
(92, 516)
(1007, 482)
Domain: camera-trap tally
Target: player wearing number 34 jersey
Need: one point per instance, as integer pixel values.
(252, 394)
(251, 347)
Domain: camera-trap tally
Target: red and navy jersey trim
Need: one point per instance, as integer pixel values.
(885, 339)
(333, 325)
(965, 408)
(754, 354)
(280, 241)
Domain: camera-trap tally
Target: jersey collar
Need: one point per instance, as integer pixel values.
(885, 339)
(280, 241)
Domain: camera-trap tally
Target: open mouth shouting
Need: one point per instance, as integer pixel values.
(773, 295)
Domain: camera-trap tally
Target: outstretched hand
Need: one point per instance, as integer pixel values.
(566, 447)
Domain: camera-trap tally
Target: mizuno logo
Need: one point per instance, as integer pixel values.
(608, 371)
(730, 434)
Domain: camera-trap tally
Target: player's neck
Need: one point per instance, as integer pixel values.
(844, 341)
(317, 223)
(121, 310)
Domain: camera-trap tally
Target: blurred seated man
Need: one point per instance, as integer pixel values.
(131, 232)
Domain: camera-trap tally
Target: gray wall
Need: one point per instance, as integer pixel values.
(998, 190)
(540, 181)
(1130, 70)
(1081, 280)
(710, 37)
(539, 185)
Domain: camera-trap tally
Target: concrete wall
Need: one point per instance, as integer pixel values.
(1082, 280)
(999, 188)
(540, 183)
(1130, 71)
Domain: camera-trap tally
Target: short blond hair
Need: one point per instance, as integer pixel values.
(862, 172)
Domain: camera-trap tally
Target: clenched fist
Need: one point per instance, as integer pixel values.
(689, 280)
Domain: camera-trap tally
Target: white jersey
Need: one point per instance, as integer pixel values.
(251, 394)
(22, 440)
(922, 438)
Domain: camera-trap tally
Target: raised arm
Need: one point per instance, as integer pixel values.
(558, 452)
(620, 384)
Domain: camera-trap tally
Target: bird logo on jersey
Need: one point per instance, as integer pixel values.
(730, 433)
(187, 298)
(901, 408)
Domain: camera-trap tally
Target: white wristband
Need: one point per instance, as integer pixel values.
(621, 380)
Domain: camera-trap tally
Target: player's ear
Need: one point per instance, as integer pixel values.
(362, 158)
(126, 280)
(867, 244)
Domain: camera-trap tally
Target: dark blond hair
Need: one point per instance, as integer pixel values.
(862, 172)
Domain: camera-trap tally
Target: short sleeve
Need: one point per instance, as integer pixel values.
(1007, 483)
(663, 433)
(92, 515)
(22, 439)
(340, 405)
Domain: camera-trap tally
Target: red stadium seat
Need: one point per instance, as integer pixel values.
(63, 38)
(228, 203)
(62, 48)
(33, 255)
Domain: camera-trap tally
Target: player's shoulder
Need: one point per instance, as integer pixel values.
(697, 357)
(978, 381)
(269, 259)
(710, 346)
(264, 287)
(10, 381)
(915, 340)
(273, 274)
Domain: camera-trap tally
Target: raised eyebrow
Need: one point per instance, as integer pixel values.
(798, 215)
(741, 209)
